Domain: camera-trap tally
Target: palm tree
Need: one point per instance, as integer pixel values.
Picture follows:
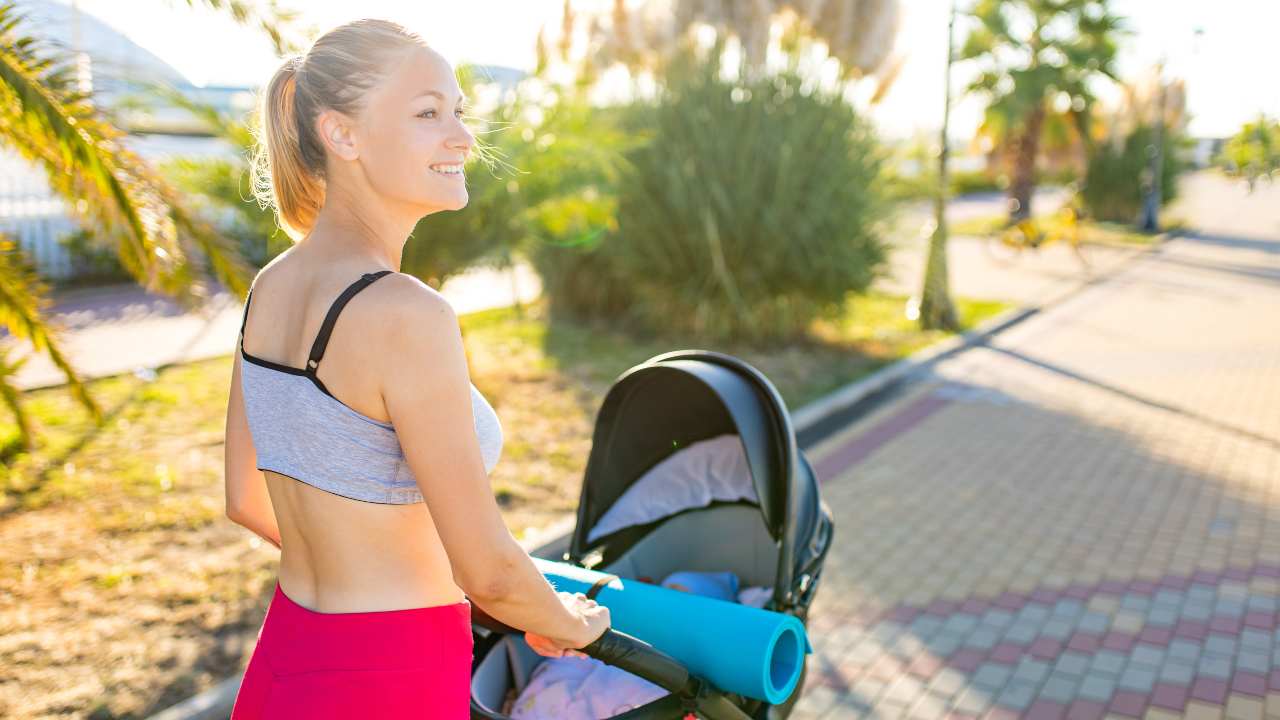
(1032, 53)
(45, 118)
(859, 33)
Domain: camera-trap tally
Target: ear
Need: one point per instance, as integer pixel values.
(337, 133)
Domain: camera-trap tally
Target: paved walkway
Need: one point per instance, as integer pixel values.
(1081, 519)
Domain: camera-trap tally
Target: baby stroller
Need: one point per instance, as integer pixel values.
(780, 542)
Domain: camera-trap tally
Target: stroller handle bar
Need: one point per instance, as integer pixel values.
(644, 660)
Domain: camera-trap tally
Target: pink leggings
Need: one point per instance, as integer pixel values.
(391, 664)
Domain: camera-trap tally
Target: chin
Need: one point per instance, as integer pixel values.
(457, 203)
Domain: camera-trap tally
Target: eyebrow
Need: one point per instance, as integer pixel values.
(461, 98)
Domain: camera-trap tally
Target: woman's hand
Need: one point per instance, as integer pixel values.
(594, 619)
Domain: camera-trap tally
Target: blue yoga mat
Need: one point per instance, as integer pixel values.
(738, 648)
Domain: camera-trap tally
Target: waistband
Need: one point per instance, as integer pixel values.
(298, 639)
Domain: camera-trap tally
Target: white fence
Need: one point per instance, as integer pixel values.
(35, 218)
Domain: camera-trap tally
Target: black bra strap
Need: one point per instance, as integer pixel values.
(322, 339)
(245, 319)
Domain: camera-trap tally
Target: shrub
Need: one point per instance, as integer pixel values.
(752, 210)
(1113, 183)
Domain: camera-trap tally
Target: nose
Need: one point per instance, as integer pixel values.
(462, 139)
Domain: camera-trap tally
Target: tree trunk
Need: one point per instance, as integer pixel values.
(1024, 169)
(937, 312)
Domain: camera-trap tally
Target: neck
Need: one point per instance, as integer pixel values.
(370, 229)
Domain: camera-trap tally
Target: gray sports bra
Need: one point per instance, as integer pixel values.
(303, 431)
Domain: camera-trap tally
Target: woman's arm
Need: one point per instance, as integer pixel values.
(263, 524)
(247, 501)
(427, 390)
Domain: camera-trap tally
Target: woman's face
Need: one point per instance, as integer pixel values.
(411, 136)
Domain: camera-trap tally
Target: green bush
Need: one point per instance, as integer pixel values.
(1254, 152)
(1113, 183)
(975, 181)
(753, 208)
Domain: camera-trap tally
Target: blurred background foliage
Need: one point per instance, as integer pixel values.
(1254, 152)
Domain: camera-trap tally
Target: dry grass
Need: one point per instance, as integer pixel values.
(123, 589)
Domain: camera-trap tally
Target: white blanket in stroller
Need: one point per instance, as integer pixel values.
(712, 469)
(572, 688)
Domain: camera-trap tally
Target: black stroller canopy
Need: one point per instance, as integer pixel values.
(679, 398)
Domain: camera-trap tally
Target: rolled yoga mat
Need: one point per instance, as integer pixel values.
(738, 648)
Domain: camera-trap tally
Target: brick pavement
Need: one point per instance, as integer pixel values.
(1077, 521)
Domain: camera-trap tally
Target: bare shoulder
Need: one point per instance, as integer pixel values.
(408, 319)
(403, 302)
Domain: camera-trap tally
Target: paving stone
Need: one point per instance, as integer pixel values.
(1108, 662)
(1240, 707)
(1197, 710)
(1229, 606)
(1072, 663)
(1138, 603)
(1215, 667)
(1195, 610)
(1060, 688)
(991, 676)
(1030, 670)
(1093, 622)
(1202, 593)
(1068, 608)
(1162, 616)
(1147, 655)
(1266, 603)
(1177, 671)
(1035, 613)
(943, 644)
(984, 638)
(972, 701)
(997, 617)
(1058, 628)
(926, 625)
(1253, 661)
(1138, 678)
(1022, 633)
(1184, 649)
(1016, 696)
(1255, 639)
(1097, 687)
(1219, 644)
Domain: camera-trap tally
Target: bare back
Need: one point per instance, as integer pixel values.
(339, 554)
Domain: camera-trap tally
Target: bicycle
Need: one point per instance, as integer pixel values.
(1008, 243)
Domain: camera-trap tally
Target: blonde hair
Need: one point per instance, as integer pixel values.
(335, 72)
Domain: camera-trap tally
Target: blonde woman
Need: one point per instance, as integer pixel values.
(355, 441)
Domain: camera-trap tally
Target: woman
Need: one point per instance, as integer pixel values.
(369, 470)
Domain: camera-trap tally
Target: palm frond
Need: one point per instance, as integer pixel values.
(23, 298)
(273, 20)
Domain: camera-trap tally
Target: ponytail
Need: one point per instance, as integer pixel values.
(288, 163)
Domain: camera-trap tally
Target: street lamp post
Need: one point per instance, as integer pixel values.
(1154, 189)
(1151, 205)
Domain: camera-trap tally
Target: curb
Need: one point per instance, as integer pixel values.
(550, 542)
(844, 398)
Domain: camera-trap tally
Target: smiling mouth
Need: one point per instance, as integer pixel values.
(453, 171)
